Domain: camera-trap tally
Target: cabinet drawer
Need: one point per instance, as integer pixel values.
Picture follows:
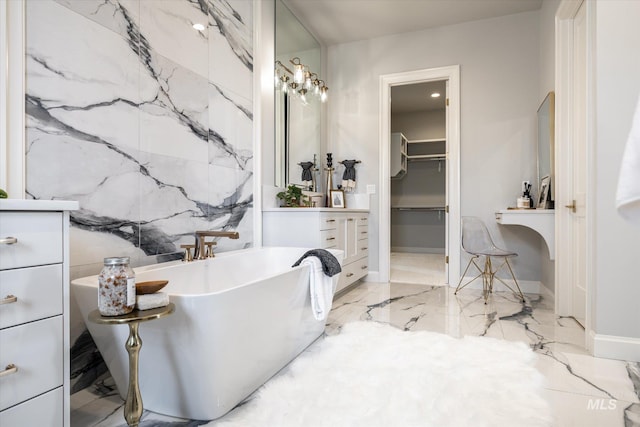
(328, 222)
(363, 220)
(328, 238)
(363, 248)
(38, 291)
(363, 232)
(352, 272)
(36, 349)
(39, 239)
(44, 410)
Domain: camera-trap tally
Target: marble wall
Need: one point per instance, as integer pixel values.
(144, 120)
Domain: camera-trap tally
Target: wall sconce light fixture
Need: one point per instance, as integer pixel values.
(301, 81)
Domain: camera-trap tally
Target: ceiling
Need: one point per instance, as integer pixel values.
(342, 21)
(417, 97)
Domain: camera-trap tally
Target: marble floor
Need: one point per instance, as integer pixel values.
(583, 391)
(417, 268)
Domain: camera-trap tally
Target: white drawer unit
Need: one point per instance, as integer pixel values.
(34, 312)
(345, 229)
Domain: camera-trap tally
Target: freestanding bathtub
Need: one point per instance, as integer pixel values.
(239, 319)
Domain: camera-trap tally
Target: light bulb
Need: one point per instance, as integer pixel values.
(199, 27)
(303, 95)
(298, 74)
(307, 80)
(323, 93)
(435, 95)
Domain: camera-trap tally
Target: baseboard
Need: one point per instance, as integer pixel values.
(545, 292)
(372, 276)
(527, 286)
(613, 347)
(417, 250)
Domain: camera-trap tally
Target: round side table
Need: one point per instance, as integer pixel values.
(133, 405)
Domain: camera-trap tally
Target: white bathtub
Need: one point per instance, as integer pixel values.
(239, 319)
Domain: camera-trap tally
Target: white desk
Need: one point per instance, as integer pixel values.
(540, 220)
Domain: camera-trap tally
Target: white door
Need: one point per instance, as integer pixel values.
(579, 179)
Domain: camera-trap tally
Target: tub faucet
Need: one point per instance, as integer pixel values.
(200, 252)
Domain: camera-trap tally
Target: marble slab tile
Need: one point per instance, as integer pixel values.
(174, 117)
(231, 129)
(119, 16)
(167, 28)
(231, 43)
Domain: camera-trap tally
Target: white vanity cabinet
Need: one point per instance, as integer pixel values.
(345, 229)
(34, 312)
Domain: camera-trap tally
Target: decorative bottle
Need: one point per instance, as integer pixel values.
(329, 170)
(116, 287)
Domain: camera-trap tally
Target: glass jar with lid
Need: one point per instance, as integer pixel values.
(116, 287)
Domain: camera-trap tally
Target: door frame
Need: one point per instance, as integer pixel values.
(452, 74)
(564, 161)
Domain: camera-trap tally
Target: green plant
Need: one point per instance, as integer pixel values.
(292, 197)
(3, 194)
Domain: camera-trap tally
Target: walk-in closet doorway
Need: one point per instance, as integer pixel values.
(419, 209)
(418, 172)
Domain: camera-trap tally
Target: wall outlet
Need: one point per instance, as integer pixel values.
(371, 189)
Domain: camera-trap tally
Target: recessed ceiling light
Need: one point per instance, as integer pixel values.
(198, 27)
(435, 95)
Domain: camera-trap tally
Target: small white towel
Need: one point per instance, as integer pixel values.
(628, 196)
(320, 287)
(149, 301)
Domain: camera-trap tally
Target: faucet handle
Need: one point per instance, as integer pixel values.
(209, 253)
(188, 257)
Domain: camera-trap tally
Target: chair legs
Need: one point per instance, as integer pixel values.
(488, 274)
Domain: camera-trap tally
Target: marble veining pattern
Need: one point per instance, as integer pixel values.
(123, 116)
(583, 390)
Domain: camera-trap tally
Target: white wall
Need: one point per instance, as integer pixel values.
(499, 98)
(616, 250)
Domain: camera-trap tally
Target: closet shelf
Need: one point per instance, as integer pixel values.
(419, 208)
(426, 157)
(420, 141)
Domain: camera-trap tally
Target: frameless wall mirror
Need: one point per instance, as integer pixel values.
(297, 114)
(546, 131)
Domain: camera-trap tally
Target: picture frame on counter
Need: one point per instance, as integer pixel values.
(336, 197)
(543, 194)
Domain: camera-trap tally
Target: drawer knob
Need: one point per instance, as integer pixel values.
(364, 249)
(331, 238)
(8, 299)
(349, 219)
(364, 267)
(8, 240)
(349, 274)
(10, 369)
(331, 220)
(364, 232)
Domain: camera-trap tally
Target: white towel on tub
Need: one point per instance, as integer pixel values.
(628, 197)
(320, 288)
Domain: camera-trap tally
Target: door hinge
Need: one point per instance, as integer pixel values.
(447, 102)
(446, 259)
(446, 209)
